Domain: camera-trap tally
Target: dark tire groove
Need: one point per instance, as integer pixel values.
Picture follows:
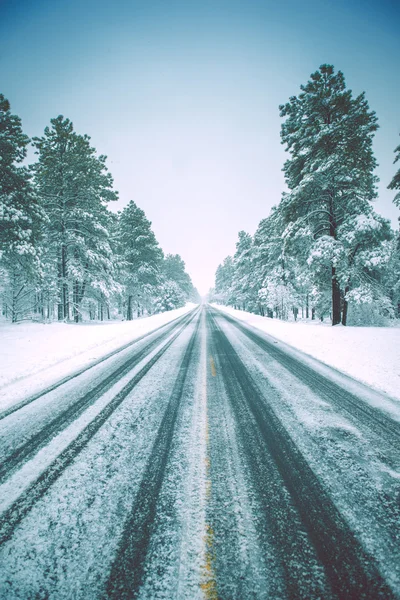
(233, 571)
(14, 408)
(12, 516)
(351, 571)
(359, 411)
(127, 570)
(24, 452)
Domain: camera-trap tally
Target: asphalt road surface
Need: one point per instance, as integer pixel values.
(204, 460)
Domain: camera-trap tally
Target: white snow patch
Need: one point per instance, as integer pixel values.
(50, 352)
(369, 354)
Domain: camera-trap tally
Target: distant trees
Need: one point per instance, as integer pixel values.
(174, 270)
(242, 259)
(176, 287)
(141, 259)
(60, 246)
(224, 282)
(323, 245)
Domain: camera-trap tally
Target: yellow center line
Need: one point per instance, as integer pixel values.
(208, 582)
(213, 369)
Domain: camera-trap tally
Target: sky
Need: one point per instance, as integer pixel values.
(183, 97)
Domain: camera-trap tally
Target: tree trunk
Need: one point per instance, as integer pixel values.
(336, 312)
(313, 314)
(78, 294)
(335, 299)
(63, 307)
(75, 301)
(345, 305)
(65, 284)
(60, 309)
(14, 299)
(129, 315)
(307, 306)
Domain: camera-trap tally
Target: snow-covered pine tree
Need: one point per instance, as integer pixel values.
(176, 288)
(243, 287)
(224, 282)
(391, 275)
(20, 219)
(271, 268)
(169, 297)
(395, 183)
(141, 259)
(174, 270)
(75, 187)
(330, 173)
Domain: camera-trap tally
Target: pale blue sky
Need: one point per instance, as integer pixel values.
(183, 98)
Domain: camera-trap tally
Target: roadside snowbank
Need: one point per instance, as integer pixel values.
(369, 354)
(30, 348)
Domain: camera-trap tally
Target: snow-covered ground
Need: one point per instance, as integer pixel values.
(31, 348)
(369, 354)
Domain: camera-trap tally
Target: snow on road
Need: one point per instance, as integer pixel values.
(369, 354)
(73, 529)
(205, 458)
(353, 457)
(40, 354)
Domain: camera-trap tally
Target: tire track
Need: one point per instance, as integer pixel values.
(14, 408)
(127, 570)
(25, 451)
(351, 571)
(12, 516)
(238, 564)
(359, 411)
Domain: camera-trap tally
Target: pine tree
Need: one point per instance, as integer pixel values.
(177, 287)
(270, 266)
(75, 187)
(20, 218)
(170, 296)
(330, 173)
(391, 275)
(174, 270)
(243, 283)
(395, 183)
(224, 282)
(141, 259)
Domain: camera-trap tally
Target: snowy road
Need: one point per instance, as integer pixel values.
(204, 460)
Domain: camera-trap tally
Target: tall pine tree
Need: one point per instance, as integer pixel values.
(75, 187)
(328, 134)
(20, 217)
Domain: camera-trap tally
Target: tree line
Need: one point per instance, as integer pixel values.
(63, 254)
(323, 247)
